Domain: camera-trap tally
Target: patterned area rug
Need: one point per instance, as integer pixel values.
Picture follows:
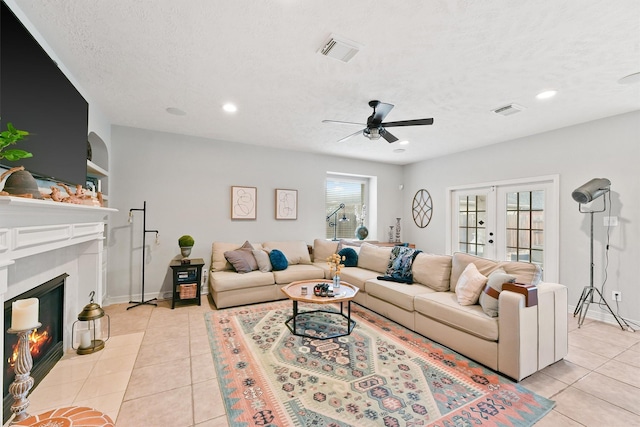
(380, 375)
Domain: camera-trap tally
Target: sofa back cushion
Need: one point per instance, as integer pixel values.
(323, 248)
(374, 258)
(432, 270)
(218, 260)
(296, 251)
(524, 272)
(460, 261)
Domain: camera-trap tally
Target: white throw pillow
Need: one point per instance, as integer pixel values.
(262, 258)
(470, 284)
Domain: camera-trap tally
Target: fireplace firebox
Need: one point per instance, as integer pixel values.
(46, 342)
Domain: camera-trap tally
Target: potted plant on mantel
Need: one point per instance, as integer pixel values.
(20, 182)
(186, 243)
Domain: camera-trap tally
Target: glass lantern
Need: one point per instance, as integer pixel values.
(93, 328)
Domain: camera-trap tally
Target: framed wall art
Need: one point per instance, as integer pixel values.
(286, 204)
(244, 202)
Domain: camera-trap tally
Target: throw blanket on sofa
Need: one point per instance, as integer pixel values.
(400, 262)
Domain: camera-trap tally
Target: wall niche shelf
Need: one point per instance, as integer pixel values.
(98, 165)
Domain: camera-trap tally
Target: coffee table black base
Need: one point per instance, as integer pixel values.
(291, 322)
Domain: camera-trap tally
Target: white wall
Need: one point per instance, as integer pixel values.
(186, 182)
(606, 148)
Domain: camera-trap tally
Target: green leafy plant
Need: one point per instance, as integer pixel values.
(10, 137)
(186, 241)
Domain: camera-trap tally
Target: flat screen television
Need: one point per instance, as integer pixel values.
(36, 96)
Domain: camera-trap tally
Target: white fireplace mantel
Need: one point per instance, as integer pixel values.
(42, 239)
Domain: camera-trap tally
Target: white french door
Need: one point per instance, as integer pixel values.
(510, 221)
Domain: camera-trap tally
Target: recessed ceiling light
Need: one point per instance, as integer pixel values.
(229, 107)
(404, 142)
(399, 150)
(176, 111)
(547, 94)
(630, 79)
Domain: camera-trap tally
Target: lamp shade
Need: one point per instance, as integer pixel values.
(591, 190)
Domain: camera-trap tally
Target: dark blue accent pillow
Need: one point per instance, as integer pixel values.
(350, 257)
(278, 260)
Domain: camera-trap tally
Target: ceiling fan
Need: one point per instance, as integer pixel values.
(375, 128)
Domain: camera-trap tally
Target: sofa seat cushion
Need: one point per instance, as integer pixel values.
(357, 276)
(398, 294)
(324, 267)
(229, 280)
(298, 272)
(444, 308)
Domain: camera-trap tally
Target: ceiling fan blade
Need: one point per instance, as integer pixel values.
(381, 111)
(353, 134)
(389, 137)
(416, 122)
(343, 123)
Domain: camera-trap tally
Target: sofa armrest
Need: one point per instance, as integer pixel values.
(532, 338)
(518, 342)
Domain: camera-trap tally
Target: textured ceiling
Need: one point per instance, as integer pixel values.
(454, 61)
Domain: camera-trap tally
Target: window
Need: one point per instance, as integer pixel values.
(352, 191)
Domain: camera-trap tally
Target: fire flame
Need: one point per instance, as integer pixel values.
(38, 342)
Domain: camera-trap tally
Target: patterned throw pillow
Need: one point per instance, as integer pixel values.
(470, 284)
(350, 257)
(278, 260)
(491, 292)
(400, 263)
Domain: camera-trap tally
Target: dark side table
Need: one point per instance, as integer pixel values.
(186, 281)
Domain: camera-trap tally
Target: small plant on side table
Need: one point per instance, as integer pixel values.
(186, 242)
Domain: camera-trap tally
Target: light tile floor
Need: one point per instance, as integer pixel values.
(157, 370)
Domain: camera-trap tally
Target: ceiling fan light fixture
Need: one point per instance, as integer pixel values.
(404, 142)
(373, 133)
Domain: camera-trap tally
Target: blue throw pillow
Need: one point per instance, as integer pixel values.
(278, 260)
(350, 257)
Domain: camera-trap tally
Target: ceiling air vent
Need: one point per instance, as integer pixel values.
(508, 110)
(340, 48)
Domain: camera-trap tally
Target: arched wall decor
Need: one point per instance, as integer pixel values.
(422, 208)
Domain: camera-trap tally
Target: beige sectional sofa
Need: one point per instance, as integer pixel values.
(517, 343)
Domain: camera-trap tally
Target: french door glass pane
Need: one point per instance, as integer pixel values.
(525, 226)
(472, 220)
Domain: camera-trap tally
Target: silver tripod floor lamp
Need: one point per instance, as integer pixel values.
(585, 194)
